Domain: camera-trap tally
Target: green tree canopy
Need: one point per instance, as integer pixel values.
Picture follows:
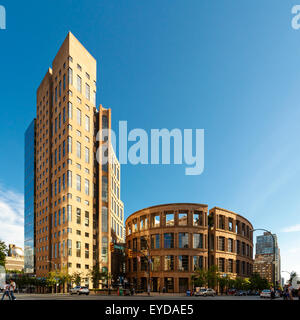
(3, 253)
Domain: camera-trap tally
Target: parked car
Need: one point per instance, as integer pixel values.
(80, 290)
(252, 293)
(231, 291)
(241, 293)
(205, 292)
(126, 292)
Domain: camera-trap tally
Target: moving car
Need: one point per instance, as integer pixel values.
(80, 290)
(205, 292)
(265, 293)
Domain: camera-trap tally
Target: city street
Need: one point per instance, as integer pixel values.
(136, 297)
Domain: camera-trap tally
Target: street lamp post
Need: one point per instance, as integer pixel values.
(274, 252)
(148, 258)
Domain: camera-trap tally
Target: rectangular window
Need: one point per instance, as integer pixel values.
(230, 265)
(168, 240)
(169, 219)
(64, 148)
(104, 189)
(70, 110)
(70, 76)
(86, 251)
(69, 213)
(78, 182)
(134, 244)
(182, 219)
(78, 249)
(87, 187)
(230, 245)
(238, 246)
(87, 91)
(198, 241)
(183, 239)
(143, 243)
(59, 91)
(79, 84)
(168, 263)
(221, 264)
(221, 222)
(69, 178)
(197, 262)
(87, 155)
(104, 219)
(78, 216)
(64, 82)
(221, 246)
(69, 245)
(70, 144)
(155, 220)
(86, 219)
(230, 224)
(183, 263)
(79, 117)
(155, 241)
(155, 263)
(78, 149)
(87, 123)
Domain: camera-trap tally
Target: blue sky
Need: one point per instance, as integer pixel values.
(229, 67)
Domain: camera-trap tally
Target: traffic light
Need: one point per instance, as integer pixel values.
(129, 253)
(112, 247)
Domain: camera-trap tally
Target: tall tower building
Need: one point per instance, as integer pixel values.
(265, 264)
(77, 205)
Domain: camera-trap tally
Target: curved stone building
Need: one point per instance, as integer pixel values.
(230, 243)
(173, 240)
(175, 236)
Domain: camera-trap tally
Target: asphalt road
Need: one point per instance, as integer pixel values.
(136, 297)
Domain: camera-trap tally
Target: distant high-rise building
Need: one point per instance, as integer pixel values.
(29, 199)
(73, 206)
(266, 246)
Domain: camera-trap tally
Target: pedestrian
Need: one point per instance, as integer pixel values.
(6, 291)
(272, 293)
(12, 288)
(299, 293)
(290, 292)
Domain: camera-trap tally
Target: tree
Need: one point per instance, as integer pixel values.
(63, 278)
(199, 279)
(257, 282)
(51, 280)
(212, 276)
(239, 283)
(96, 275)
(76, 278)
(3, 253)
(293, 275)
(224, 283)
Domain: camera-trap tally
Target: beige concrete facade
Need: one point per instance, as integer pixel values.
(73, 228)
(263, 265)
